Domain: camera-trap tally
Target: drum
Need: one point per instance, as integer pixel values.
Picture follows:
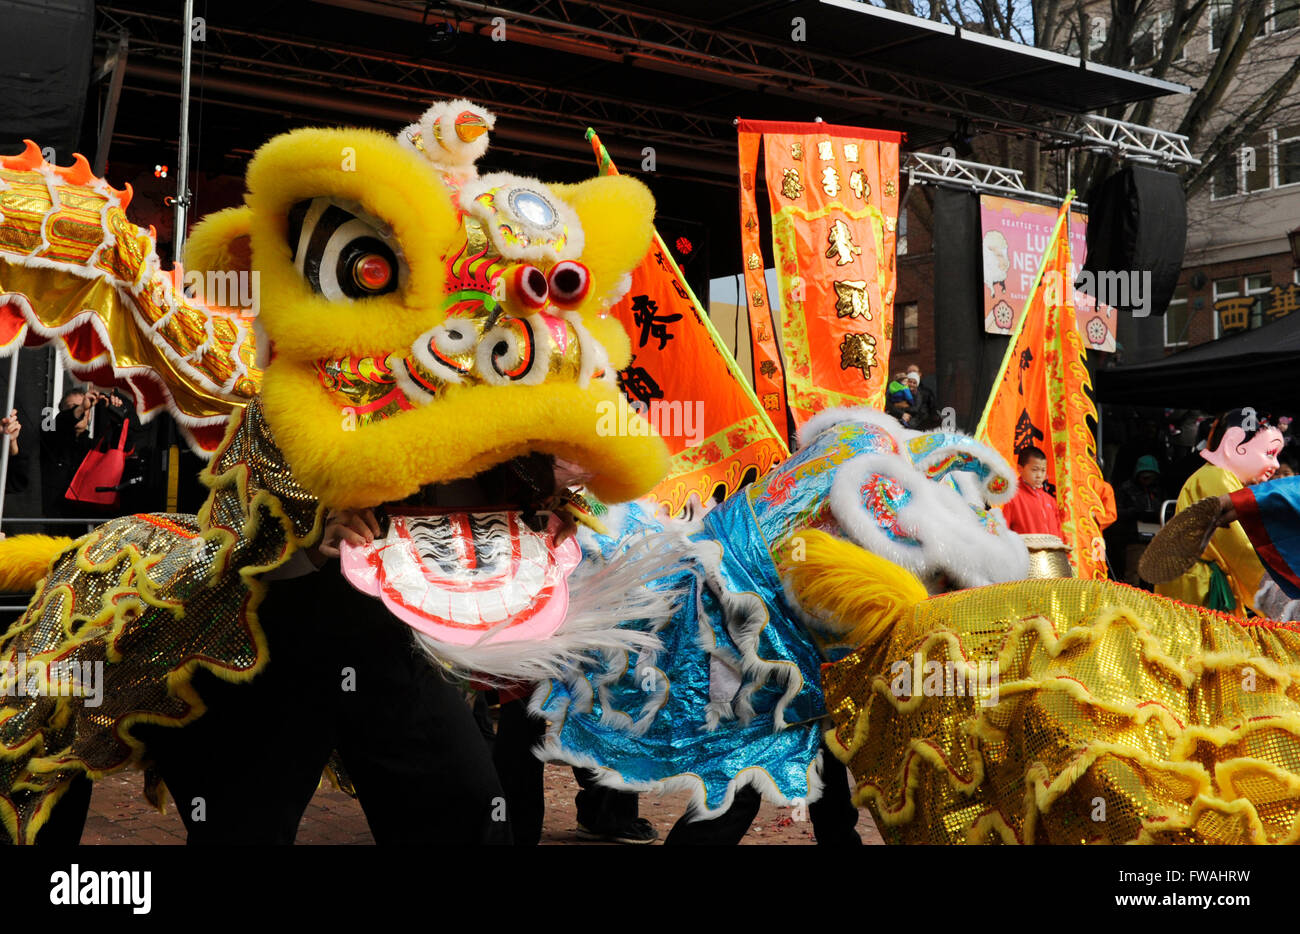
(1048, 556)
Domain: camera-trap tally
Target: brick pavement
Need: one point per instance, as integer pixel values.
(119, 814)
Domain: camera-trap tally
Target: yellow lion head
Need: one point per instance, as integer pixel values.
(420, 324)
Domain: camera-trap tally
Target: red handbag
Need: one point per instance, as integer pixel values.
(100, 473)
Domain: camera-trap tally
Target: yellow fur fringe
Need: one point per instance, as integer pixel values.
(25, 559)
(849, 589)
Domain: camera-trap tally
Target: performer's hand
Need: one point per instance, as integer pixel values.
(10, 427)
(354, 526)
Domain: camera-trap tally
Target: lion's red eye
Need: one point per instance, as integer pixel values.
(372, 272)
(530, 286)
(570, 282)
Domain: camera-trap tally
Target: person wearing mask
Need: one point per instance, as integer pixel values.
(1241, 450)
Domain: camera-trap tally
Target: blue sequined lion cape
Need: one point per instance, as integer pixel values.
(731, 694)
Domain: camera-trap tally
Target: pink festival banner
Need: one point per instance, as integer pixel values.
(1014, 236)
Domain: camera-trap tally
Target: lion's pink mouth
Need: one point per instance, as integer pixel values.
(466, 578)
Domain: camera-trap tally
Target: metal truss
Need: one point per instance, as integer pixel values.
(609, 31)
(317, 68)
(657, 41)
(1134, 142)
(927, 168)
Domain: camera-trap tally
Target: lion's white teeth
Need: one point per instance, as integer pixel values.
(492, 607)
(436, 602)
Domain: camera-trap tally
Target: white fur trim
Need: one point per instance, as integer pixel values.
(601, 596)
(593, 356)
(829, 418)
(447, 151)
(951, 538)
(756, 777)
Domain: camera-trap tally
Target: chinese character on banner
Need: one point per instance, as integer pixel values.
(834, 257)
(639, 384)
(644, 314)
(680, 362)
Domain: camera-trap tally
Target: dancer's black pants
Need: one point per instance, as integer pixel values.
(833, 815)
(518, 731)
(343, 674)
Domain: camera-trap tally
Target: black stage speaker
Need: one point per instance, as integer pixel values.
(1137, 221)
(966, 358)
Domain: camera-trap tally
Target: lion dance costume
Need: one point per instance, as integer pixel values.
(429, 342)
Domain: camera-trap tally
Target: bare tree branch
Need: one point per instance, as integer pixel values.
(1243, 26)
(1232, 136)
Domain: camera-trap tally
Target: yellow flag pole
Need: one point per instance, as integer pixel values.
(1024, 315)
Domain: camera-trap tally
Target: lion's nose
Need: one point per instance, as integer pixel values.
(507, 350)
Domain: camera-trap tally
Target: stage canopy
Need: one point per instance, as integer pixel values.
(669, 75)
(1256, 368)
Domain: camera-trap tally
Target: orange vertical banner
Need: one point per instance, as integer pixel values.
(1041, 399)
(833, 192)
(688, 383)
(769, 372)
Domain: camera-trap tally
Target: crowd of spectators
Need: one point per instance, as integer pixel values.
(46, 454)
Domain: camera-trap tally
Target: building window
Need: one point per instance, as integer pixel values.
(1148, 42)
(1269, 159)
(1288, 153)
(1177, 319)
(1225, 182)
(1286, 15)
(1279, 16)
(1220, 16)
(907, 327)
(1229, 313)
(1257, 160)
(1258, 286)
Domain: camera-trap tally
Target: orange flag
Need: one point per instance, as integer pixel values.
(834, 203)
(1041, 399)
(687, 381)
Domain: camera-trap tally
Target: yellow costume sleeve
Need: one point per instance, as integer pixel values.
(1229, 548)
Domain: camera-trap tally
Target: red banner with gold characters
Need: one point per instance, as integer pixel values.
(834, 202)
(688, 383)
(1041, 400)
(769, 372)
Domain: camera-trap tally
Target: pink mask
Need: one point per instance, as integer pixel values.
(1252, 461)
